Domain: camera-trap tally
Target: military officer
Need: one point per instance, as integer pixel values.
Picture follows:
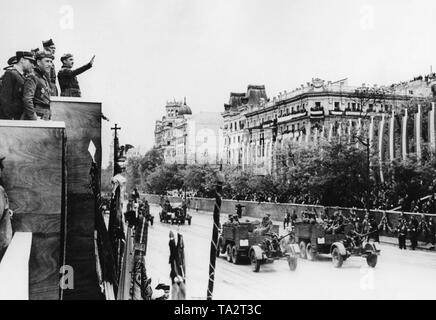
(11, 62)
(402, 232)
(36, 92)
(68, 77)
(413, 232)
(50, 48)
(11, 94)
(239, 207)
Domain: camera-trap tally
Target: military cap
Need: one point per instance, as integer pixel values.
(48, 43)
(43, 54)
(66, 56)
(24, 54)
(12, 60)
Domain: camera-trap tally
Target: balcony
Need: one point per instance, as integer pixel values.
(351, 112)
(336, 112)
(317, 113)
(292, 116)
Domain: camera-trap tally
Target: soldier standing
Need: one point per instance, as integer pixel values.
(50, 48)
(68, 77)
(11, 94)
(239, 210)
(36, 92)
(402, 232)
(287, 219)
(413, 232)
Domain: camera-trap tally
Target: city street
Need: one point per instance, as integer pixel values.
(398, 274)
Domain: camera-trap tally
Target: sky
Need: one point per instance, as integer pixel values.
(148, 52)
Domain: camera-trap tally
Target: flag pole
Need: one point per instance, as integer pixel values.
(216, 222)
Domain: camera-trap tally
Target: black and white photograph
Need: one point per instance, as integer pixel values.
(197, 151)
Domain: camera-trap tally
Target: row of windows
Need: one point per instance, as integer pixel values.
(237, 124)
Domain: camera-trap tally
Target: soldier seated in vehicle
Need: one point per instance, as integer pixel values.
(265, 226)
(233, 218)
(338, 225)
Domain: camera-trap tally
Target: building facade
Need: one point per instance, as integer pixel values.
(257, 129)
(187, 138)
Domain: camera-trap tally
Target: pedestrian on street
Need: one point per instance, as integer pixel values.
(36, 92)
(67, 76)
(11, 93)
(287, 219)
(50, 49)
(413, 232)
(239, 209)
(402, 231)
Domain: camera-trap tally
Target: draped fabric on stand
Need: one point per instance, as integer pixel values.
(116, 226)
(141, 284)
(102, 245)
(178, 268)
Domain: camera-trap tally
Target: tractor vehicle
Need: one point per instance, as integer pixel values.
(240, 241)
(313, 239)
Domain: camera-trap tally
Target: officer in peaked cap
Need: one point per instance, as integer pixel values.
(36, 94)
(67, 76)
(50, 47)
(11, 95)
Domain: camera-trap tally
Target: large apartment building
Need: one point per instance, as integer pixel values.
(188, 138)
(258, 128)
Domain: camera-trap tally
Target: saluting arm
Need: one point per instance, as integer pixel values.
(81, 69)
(28, 94)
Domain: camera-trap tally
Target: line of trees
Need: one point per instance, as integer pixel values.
(333, 174)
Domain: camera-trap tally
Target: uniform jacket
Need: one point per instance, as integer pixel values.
(402, 228)
(11, 94)
(68, 80)
(36, 92)
(51, 76)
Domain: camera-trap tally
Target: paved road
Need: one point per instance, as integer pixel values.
(398, 274)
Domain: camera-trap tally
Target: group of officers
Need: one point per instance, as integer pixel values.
(29, 81)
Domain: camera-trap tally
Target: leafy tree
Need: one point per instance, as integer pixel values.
(164, 178)
(151, 160)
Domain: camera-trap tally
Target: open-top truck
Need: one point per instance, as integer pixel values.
(313, 240)
(240, 241)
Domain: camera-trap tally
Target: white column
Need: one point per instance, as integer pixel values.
(404, 136)
(418, 133)
(371, 132)
(431, 126)
(391, 136)
(380, 146)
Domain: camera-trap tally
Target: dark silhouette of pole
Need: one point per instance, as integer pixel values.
(216, 222)
(368, 180)
(116, 149)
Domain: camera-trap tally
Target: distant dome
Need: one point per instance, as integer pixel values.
(184, 109)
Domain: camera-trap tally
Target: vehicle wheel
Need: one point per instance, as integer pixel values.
(236, 259)
(229, 252)
(303, 250)
(255, 263)
(310, 254)
(292, 262)
(189, 221)
(337, 258)
(223, 247)
(183, 221)
(371, 260)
